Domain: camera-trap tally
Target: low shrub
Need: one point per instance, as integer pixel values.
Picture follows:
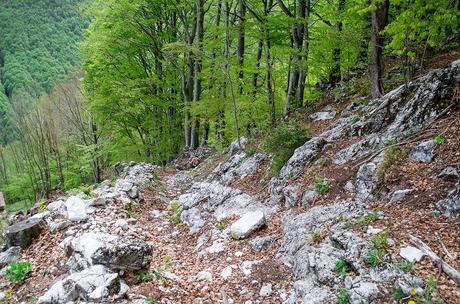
(282, 142)
(17, 271)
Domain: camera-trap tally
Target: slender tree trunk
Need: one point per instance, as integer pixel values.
(335, 75)
(194, 141)
(379, 22)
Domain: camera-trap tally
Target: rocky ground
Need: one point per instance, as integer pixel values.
(364, 212)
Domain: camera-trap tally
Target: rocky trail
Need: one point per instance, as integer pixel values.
(338, 224)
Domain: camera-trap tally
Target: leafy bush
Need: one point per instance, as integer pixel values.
(374, 257)
(143, 277)
(17, 272)
(283, 141)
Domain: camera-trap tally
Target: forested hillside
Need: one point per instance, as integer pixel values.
(230, 151)
(161, 76)
(38, 50)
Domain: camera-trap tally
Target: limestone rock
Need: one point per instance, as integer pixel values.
(423, 152)
(23, 233)
(193, 219)
(92, 284)
(411, 254)
(261, 243)
(323, 115)
(450, 206)
(76, 209)
(450, 173)
(9, 256)
(249, 223)
(303, 156)
(112, 251)
(398, 195)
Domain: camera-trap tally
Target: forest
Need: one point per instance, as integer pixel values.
(85, 84)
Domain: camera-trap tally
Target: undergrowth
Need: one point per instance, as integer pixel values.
(282, 142)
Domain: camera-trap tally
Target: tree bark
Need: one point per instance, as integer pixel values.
(379, 22)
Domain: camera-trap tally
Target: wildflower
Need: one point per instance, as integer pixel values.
(413, 293)
(411, 302)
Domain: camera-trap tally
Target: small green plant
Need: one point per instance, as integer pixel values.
(150, 300)
(283, 140)
(174, 212)
(439, 139)
(320, 185)
(342, 267)
(405, 266)
(343, 297)
(159, 275)
(168, 262)
(221, 226)
(374, 257)
(42, 207)
(17, 272)
(363, 221)
(132, 209)
(288, 176)
(380, 241)
(143, 277)
(398, 295)
(390, 142)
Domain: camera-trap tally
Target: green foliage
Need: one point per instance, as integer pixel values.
(374, 257)
(421, 24)
(405, 266)
(150, 300)
(174, 212)
(316, 237)
(221, 226)
(380, 241)
(132, 209)
(17, 271)
(320, 185)
(363, 221)
(343, 297)
(439, 139)
(143, 277)
(283, 140)
(42, 205)
(398, 295)
(390, 158)
(342, 267)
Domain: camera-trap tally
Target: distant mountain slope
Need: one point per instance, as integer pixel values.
(38, 43)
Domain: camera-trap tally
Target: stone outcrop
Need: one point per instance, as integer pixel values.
(22, 234)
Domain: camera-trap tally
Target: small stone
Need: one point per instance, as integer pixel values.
(204, 276)
(372, 230)
(323, 115)
(308, 197)
(424, 152)
(266, 290)
(411, 254)
(76, 209)
(398, 195)
(121, 223)
(226, 272)
(249, 223)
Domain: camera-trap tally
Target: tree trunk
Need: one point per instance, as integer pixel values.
(379, 22)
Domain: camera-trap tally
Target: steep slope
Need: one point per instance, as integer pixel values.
(349, 218)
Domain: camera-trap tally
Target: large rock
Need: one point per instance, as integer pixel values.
(424, 152)
(76, 209)
(92, 284)
(112, 251)
(306, 291)
(323, 115)
(23, 233)
(249, 223)
(303, 156)
(450, 206)
(9, 256)
(401, 112)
